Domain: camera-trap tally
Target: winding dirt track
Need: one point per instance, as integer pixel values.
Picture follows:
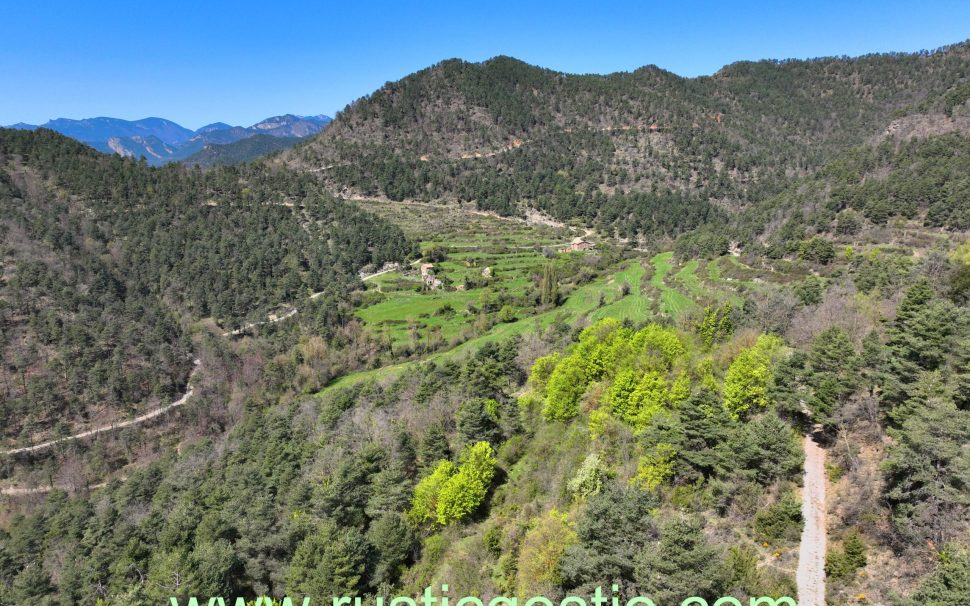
(274, 319)
(810, 577)
(158, 411)
(93, 432)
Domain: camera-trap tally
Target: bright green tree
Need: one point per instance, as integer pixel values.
(465, 491)
(542, 370)
(566, 386)
(620, 395)
(424, 503)
(747, 380)
(650, 397)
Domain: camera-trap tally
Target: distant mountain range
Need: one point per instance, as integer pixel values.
(160, 140)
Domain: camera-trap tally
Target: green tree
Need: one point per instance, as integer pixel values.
(549, 285)
(433, 447)
(683, 564)
(390, 491)
(616, 525)
(542, 369)
(748, 377)
(464, 492)
(650, 397)
(927, 471)
(809, 291)
(706, 429)
(920, 339)
(834, 372)
(476, 423)
(542, 549)
(216, 568)
(818, 249)
(32, 586)
(780, 521)
(566, 386)
(948, 585)
(765, 449)
(620, 395)
(424, 503)
(329, 561)
(842, 563)
(716, 324)
(656, 467)
(848, 223)
(393, 541)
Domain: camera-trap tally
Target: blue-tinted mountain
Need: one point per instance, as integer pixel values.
(159, 140)
(97, 130)
(211, 127)
(290, 125)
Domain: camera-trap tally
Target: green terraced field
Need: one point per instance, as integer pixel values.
(688, 277)
(634, 306)
(514, 251)
(581, 303)
(672, 301)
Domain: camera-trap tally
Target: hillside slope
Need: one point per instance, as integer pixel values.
(240, 151)
(601, 148)
(106, 260)
(506, 415)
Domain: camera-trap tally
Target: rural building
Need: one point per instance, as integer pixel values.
(579, 245)
(428, 277)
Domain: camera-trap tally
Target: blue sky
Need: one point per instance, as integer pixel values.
(238, 62)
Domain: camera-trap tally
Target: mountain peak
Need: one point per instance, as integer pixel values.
(208, 128)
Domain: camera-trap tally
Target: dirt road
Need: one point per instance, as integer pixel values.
(20, 491)
(810, 577)
(121, 425)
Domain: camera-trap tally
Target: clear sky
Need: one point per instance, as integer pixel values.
(238, 62)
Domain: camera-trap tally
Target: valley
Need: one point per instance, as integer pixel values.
(727, 356)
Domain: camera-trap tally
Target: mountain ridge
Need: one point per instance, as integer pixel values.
(505, 135)
(160, 140)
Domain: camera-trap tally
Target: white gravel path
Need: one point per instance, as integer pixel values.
(810, 577)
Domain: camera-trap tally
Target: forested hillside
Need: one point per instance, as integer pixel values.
(727, 273)
(106, 261)
(620, 151)
(239, 151)
(653, 458)
(855, 199)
